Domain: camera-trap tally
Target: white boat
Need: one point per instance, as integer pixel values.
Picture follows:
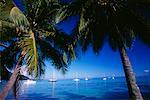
(113, 78)
(53, 79)
(76, 79)
(104, 78)
(86, 79)
(30, 82)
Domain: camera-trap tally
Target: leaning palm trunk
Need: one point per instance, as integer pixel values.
(12, 80)
(134, 91)
(16, 87)
(10, 83)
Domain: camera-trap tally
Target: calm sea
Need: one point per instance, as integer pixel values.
(93, 89)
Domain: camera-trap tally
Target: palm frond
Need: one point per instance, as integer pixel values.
(57, 58)
(74, 8)
(7, 31)
(28, 44)
(99, 18)
(82, 24)
(9, 56)
(5, 24)
(18, 17)
(5, 8)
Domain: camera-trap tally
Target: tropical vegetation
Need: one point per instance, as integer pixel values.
(29, 37)
(118, 22)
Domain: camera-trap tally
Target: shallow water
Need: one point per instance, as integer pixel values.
(93, 89)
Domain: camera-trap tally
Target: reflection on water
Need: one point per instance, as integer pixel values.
(25, 85)
(86, 85)
(105, 83)
(77, 85)
(53, 89)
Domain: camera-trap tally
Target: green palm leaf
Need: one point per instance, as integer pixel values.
(18, 17)
(28, 44)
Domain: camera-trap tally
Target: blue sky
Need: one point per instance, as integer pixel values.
(106, 63)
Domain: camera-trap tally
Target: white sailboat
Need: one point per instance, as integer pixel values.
(104, 78)
(76, 79)
(53, 79)
(113, 77)
(86, 78)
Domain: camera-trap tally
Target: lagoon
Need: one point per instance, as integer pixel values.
(93, 89)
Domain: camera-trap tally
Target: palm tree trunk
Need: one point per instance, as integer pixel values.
(10, 83)
(16, 87)
(12, 79)
(134, 91)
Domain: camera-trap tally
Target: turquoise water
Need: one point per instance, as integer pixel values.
(93, 89)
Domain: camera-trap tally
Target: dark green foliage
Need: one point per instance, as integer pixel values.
(118, 21)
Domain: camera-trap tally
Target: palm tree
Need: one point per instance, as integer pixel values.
(35, 40)
(115, 21)
(5, 28)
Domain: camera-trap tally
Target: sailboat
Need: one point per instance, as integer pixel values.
(113, 77)
(76, 79)
(53, 79)
(86, 78)
(104, 78)
(0, 79)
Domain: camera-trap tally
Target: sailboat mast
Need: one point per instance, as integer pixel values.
(76, 75)
(53, 75)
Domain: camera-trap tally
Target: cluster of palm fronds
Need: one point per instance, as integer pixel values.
(118, 21)
(33, 32)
